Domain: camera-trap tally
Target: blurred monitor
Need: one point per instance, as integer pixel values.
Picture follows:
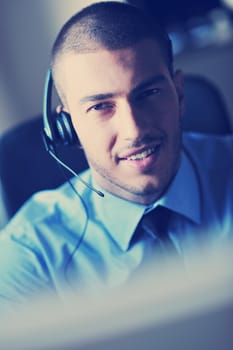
(163, 309)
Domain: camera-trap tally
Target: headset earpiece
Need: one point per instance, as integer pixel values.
(58, 127)
(64, 129)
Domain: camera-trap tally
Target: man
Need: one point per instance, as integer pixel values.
(112, 68)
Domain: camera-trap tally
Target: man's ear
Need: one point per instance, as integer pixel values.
(178, 79)
(60, 109)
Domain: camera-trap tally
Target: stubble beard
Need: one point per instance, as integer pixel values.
(152, 189)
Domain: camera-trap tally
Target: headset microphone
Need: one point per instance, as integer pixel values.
(74, 173)
(58, 130)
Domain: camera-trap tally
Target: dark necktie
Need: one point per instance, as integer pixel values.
(156, 223)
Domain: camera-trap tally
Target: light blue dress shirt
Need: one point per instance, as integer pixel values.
(64, 238)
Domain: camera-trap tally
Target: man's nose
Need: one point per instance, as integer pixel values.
(132, 122)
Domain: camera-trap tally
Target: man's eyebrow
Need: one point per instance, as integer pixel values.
(104, 96)
(97, 97)
(153, 80)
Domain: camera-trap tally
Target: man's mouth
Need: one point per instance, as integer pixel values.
(142, 154)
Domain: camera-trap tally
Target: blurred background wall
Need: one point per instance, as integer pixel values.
(27, 31)
(202, 32)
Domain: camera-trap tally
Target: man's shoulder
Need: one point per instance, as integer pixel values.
(207, 148)
(50, 207)
(41, 205)
(34, 212)
(212, 160)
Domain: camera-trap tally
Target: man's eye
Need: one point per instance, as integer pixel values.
(103, 106)
(148, 93)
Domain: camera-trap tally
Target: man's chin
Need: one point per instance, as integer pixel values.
(143, 194)
(140, 188)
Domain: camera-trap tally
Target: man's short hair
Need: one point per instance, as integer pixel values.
(112, 25)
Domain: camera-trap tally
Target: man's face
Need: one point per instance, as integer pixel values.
(126, 109)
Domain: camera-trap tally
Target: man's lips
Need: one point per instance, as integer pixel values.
(140, 154)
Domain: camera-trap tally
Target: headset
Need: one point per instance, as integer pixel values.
(58, 130)
(58, 127)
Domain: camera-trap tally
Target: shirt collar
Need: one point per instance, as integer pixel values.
(183, 195)
(121, 217)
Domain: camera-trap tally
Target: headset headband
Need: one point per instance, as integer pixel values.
(47, 105)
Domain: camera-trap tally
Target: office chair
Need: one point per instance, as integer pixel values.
(25, 166)
(205, 109)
